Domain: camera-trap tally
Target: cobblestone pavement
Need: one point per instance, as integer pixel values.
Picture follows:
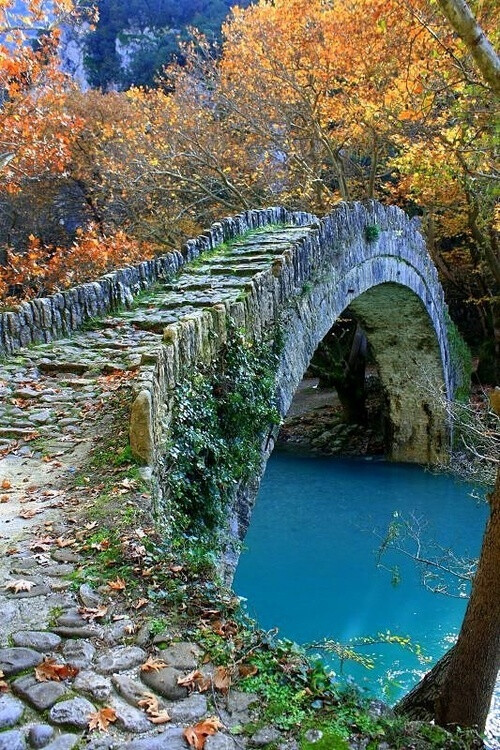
(51, 399)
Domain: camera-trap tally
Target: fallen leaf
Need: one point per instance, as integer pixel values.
(19, 585)
(140, 603)
(93, 613)
(196, 735)
(222, 679)
(101, 719)
(224, 628)
(153, 665)
(102, 545)
(49, 669)
(195, 680)
(117, 585)
(4, 686)
(30, 513)
(43, 544)
(149, 703)
(247, 670)
(160, 718)
(64, 542)
(6, 485)
(4, 498)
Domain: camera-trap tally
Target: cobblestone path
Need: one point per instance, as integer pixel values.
(52, 400)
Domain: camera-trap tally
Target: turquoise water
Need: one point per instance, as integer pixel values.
(309, 564)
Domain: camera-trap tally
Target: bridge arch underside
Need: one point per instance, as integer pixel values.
(406, 351)
(406, 340)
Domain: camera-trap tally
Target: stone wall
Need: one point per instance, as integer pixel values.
(302, 285)
(304, 290)
(49, 318)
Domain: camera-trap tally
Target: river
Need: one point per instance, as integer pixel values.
(309, 566)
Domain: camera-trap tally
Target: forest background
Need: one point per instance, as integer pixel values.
(298, 102)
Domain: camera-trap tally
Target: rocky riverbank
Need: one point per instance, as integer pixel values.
(315, 423)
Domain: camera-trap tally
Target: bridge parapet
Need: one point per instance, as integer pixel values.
(50, 318)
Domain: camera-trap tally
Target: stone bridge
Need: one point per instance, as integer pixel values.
(258, 270)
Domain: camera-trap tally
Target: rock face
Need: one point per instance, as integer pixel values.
(14, 660)
(11, 711)
(74, 712)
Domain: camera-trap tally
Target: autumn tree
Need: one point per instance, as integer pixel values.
(35, 130)
(40, 135)
(344, 109)
(458, 689)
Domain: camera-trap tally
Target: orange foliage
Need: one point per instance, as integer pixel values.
(309, 101)
(43, 269)
(36, 133)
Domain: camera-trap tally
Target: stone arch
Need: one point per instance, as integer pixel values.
(405, 344)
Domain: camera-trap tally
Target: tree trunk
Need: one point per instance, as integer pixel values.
(420, 703)
(470, 678)
(465, 25)
(458, 690)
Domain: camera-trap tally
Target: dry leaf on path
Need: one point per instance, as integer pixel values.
(49, 669)
(195, 680)
(117, 585)
(19, 585)
(93, 613)
(30, 513)
(4, 686)
(101, 719)
(196, 735)
(6, 485)
(4, 498)
(222, 679)
(65, 542)
(153, 665)
(162, 717)
(149, 703)
(43, 544)
(247, 670)
(152, 708)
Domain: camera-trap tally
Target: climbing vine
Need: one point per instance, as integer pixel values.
(218, 423)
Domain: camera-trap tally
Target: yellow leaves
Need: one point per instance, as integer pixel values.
(153, 665)
(151, 706)
(19, 585)
(408, 114)
(196, 735)
(49, 669)
(102, 718)
(46, 269)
